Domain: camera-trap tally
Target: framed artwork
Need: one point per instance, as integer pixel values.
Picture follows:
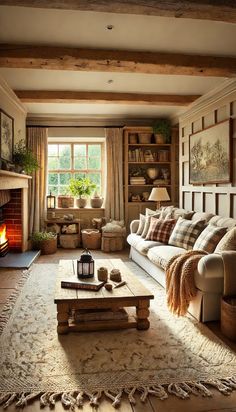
(6, 136)
(210, 155)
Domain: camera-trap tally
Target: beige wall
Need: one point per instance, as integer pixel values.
(12, 106)
(209, 110)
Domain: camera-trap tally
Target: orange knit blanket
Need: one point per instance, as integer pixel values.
(180, 286)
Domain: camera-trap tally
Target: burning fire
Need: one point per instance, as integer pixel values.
(3, 234)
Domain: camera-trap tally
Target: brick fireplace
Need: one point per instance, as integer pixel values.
(14, 208)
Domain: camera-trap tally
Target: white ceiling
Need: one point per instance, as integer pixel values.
(131, 32)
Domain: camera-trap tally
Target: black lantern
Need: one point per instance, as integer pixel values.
(85, 266)
(51, 201)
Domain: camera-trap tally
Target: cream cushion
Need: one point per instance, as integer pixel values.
(142, 220)
(202, 216)
(228, 241)
(160, 255)
(222, 221)
(133, 239)
(143, 246)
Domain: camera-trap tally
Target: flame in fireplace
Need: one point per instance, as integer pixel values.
(3, 233)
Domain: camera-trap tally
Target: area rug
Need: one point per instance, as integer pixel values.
(175, 356)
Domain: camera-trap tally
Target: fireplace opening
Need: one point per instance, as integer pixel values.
(4, 246)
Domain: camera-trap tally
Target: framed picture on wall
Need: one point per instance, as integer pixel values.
(6, 136)
(210, 155)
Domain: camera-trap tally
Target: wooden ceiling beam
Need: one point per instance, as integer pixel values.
(218, 10)
(96, 60)
(53, 96)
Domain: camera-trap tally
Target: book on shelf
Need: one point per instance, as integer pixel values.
(75, 283)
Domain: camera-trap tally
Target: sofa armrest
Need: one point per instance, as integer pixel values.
(212, 265)
(134, 226)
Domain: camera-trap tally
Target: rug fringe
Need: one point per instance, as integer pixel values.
(10, 303)
(75, 398)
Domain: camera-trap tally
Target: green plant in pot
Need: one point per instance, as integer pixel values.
(44, 241)
(162, 131)
(24, 159)
(81, 188)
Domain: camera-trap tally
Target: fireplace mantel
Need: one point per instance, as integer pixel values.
(12, 180)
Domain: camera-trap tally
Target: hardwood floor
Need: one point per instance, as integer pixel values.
(217, 403)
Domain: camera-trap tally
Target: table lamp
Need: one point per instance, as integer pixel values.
(159, 194)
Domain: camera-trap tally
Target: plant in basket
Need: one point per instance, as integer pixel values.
(44, 241)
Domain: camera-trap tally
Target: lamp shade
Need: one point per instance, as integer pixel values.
(159, 194)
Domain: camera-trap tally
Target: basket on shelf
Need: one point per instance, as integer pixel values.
(144, 138)
(91, 238)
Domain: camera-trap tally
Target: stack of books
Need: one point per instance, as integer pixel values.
(136, 180)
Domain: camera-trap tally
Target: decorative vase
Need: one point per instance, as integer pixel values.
(144, 138)
(152, 172)
(96, 202)
(81, 202)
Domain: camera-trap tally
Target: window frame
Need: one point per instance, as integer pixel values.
(72, 171)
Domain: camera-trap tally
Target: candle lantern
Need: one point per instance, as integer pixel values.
(51, 201)
(85, 265)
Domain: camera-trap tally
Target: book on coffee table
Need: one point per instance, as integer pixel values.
(75, 283)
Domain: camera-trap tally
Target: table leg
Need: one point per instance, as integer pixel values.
(62, 318)
(142, 313)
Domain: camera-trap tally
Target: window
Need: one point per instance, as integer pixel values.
(66, 160)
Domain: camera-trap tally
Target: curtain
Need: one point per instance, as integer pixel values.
(37, 141)
(114, 203)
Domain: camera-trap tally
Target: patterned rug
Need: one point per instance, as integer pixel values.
(175, 356)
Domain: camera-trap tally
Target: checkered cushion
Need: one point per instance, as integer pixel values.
(209, 238)
(160, 230)
(185, 233)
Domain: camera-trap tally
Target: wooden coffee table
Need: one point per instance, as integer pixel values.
(132, 294)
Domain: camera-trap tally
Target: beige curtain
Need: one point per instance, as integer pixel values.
(37, 140)
(114, 204)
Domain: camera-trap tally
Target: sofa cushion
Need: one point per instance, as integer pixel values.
(202, 216)
(133, 239)
(209, 238)
(160, 255)
(160, 230)
(228, 241)
(147, 224)
(143, 246)
(185, 233)
(142, 220)
(222, 221)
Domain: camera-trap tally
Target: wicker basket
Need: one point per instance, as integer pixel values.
(112, 242)
(91, 238)
(228, 317)
(47, 247)
(144, 138)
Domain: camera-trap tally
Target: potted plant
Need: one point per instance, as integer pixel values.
(24, 159)
(44, 241)
(162, 131)
(81, 188)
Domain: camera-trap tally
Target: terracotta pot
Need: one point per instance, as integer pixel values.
(159, 138)
(81, 203)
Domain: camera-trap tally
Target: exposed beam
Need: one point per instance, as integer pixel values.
(49, 96)
(219, 10)
(77, 59)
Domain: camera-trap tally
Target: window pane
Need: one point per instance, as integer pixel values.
(64, 150)
(79, 150)
(53, 190)
(53, 179)
(64, 163)
(52, 150)
(94, 163)
(63, 190)
(80, 175)
(80, 163)
(94, 150)
(96, 178)
(53, 163)
(64, 156)
(64, 178)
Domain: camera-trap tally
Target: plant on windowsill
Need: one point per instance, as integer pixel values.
(24, 159)
(162, 131)
(46, 242)
(81, 189)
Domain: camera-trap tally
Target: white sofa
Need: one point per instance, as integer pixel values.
(209, 276)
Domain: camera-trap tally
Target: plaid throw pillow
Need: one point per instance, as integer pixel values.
(209, 238)
(160, 230)
(185, 233)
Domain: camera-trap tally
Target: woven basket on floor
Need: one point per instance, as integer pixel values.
(47, 247)
(91, 238)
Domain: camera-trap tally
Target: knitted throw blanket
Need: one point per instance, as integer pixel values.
(180, 286)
